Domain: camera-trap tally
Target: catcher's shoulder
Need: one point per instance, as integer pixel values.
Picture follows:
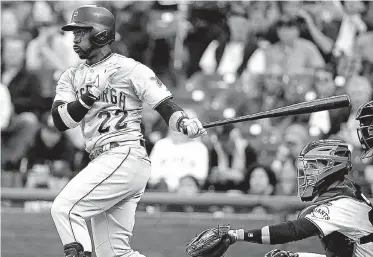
(308, 210)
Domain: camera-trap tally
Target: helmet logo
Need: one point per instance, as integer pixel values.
(75, 14)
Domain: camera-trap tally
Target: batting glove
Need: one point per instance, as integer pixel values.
(102, 81)
(192, 127)
(280, 253)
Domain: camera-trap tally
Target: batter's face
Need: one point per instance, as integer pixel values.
(82, 45)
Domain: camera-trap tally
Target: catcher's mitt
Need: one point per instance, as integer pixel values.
(212, 242)
(280, 253)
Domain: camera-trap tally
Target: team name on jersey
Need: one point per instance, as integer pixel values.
(109, 95)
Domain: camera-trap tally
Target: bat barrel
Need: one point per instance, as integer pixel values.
(317, 105)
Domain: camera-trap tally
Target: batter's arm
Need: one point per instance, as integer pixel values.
(67, 109)
(68, 115)
(171, 113)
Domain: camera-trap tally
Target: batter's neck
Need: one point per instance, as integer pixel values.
(101, 54)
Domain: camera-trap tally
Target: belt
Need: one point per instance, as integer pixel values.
(101, 149)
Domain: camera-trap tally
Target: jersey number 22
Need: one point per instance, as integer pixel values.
(108, 115)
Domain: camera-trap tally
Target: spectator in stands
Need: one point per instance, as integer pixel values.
(24, 86)
(12, 20)
(365, 52)
(206, 21)
(51, 152)
(337, 40)
(262, 15)
(189, 185)
(134, 21)
(260, 180)
(6, 109)
(228, 54)
(175, 156)
(24, 16)
(230, 157)
(46, 54)
(360, 91)
(292, 54)
(325, 87)
(17, 132)
(284, 165)
(9, 23)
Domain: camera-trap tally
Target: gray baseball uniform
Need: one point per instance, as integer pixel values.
(108, 189)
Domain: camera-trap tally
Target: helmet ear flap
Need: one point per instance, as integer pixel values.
(101, 37)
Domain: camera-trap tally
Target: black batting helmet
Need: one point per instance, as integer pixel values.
(320, 164)
(99, 19)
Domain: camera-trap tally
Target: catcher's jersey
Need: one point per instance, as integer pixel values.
(347, 216)
(116, 116)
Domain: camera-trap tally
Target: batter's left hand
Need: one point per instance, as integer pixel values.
(192, 127)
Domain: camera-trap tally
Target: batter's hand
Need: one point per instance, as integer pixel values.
(192, 127)
(280, 253)
(102, 81)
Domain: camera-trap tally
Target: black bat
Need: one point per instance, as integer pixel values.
(317, 105)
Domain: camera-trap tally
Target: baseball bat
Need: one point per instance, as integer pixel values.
(317, 105)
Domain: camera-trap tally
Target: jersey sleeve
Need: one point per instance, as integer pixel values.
(65, 89)
(148, 86)
(331, 217)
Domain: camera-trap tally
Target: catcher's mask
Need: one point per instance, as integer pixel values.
(365, 130)
(320, 164)
(97, 18)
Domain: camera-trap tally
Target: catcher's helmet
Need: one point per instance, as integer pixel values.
(365, 130)
(320, 164)
(99, 19)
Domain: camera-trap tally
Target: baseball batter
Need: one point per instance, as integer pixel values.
(104, 96)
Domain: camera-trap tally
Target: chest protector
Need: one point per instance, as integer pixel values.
(336, 244)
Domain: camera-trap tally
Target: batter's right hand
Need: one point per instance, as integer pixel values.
(102, 81)
(193, 127)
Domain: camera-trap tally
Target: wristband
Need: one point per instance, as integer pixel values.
(175, 120)
(253, 236)
(66, 117)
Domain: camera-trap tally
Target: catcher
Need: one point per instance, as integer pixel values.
(340, 215)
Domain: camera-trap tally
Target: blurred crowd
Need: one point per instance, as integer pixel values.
(220, 60)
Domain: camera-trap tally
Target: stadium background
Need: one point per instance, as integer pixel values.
(219, 59)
